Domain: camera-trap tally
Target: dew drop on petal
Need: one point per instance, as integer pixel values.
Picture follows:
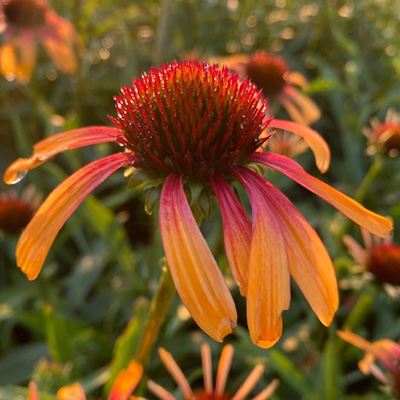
(16, 177)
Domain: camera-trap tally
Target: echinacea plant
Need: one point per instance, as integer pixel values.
(26, 21)
(191, 130)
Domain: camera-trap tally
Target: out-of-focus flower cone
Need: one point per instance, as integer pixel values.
(271, 74)
(380, 258)
(384, 137)
(16, 211)
(26, 21)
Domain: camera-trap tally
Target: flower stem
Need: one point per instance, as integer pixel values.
(158, 311)
(362, 190)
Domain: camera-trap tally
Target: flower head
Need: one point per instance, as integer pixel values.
(379, 257)
(16, 211)
(384, 136)
(193, 129)
(384, 351)
(26, 20)
(209, 392)
(271, 74)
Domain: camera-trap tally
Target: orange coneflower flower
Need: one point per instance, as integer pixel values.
(384, 136)
(16, 211)
(124, 384)
(271, 74)
(193, 126)
(379, 258)
(209, 392)
(25, 21)
(385, 351)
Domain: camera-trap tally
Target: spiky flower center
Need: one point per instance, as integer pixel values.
(191, 118)
(392, 142)
(203, 395)
(267, 72)
(14, 215)
(24, 13)
(383, 262)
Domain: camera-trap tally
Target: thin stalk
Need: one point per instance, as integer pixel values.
(161, 30)
(158, 311)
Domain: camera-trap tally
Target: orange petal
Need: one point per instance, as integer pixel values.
(173, 368)
(126, 381)
(269, 279)
(72, 392)
(385, 350)
(303, 106)
(58, 143)
(198, 280)
(374, 223)
(33, 391)
(237, 232)
(309, 262)
(26, 55)
(38, 236)
(313, 139)
(224, 365)
(60, 38)
(8, 61)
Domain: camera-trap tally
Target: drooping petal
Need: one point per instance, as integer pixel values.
(49, 147)
(71, 392)
(309, 262)
(126, 381)
(198, 280)
(303, 105)
(38, 236)
(372, 222)
(8, 60)
(237, 232)
(385, 350)
(313, 139)
(269, 280)
(59, 38)
(26, 55)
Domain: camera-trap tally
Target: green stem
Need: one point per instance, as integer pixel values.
(161, 32)
(362, 190)
(158, 311)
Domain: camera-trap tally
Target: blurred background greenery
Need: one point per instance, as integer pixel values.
(105, 264)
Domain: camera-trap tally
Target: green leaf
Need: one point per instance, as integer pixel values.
(128, 343)
(58, 336)
(17, 365)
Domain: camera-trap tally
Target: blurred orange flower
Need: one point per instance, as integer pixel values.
(195, 127)
(124, 384)
(209, 392)
(271, 74)
(384, 351)
(384, 136)
(25, 21)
